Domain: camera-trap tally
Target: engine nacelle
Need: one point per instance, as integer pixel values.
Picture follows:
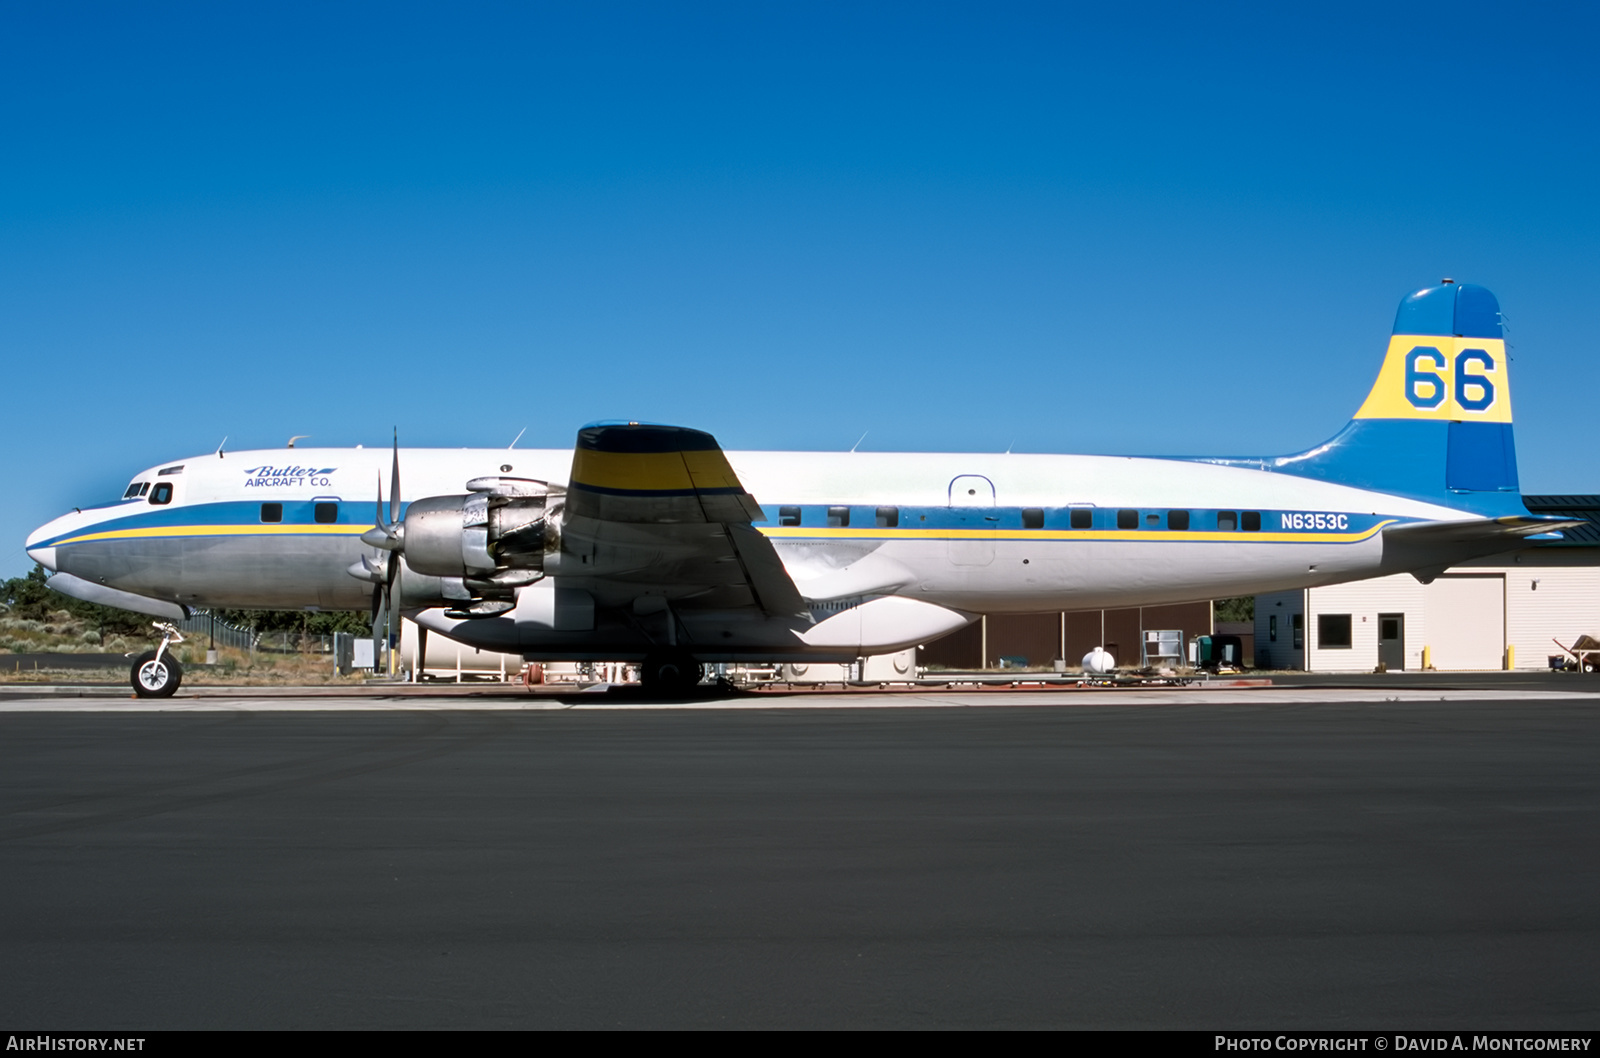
(495, 537)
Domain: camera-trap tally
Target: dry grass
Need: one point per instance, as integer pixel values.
(234, 668)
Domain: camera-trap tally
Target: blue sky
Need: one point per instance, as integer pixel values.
(1043, 227)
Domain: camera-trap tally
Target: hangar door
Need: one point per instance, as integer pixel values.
(1467, 621)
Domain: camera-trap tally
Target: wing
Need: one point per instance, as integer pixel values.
(1427, 549)
(657, 511)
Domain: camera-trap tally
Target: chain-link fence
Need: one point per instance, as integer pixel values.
(203, 623)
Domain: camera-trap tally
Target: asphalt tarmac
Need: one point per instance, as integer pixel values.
(1210, 860)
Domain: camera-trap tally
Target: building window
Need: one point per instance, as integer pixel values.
(1272, 628)
(888, 517)
(325, 512)
(838, 517)
(162, 494)
(1333, 631)
(1227, 521)
(788, 516)
(1082, 518)
(1127, 519)
(1178, 520)
(1032, 518)
(1299, 627)
(272, 512)
(1251, 520)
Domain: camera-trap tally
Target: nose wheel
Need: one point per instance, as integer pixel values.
(673, 674)
(156, 673)
(156, 677)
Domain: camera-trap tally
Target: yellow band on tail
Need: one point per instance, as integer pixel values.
(1441, 379)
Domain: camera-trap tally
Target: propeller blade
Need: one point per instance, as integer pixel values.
(381, 521)
(394, 481)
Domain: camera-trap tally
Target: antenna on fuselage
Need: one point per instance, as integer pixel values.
(863, 437)
(219, 447)
(517, 438)
(297, 437)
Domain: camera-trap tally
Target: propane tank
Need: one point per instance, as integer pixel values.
(1098, 662)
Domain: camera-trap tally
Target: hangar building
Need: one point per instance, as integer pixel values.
(1494, 613)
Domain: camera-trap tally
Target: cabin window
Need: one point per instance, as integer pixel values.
(838, 517)
(133, 490)
(1082, 518)
(1333, 631)
(162, 494)
(1178, 520)
(788, 516)
(272, 512)
(1127, 519)
(888, 517)
(1251, 520)
(1227, 521)
(1152, 519)
(326, 512)
(1032, 518)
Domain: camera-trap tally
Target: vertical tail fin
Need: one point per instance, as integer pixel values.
(1437, 424)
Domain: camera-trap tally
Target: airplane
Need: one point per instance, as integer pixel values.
(648, 542)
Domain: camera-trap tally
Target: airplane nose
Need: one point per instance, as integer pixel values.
(45, 556)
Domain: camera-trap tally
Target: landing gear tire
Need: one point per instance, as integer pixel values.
(155, 679)
(671, 674)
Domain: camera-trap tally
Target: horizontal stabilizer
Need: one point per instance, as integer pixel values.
(1427, 549)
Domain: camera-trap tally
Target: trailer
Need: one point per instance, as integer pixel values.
(1582, 656)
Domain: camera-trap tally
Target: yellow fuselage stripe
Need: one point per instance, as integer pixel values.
(1238, 537)
(216, 530)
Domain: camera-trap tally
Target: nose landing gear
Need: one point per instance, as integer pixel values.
(156, 673)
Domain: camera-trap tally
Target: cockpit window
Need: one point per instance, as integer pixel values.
(134, 490)
(144, 487)
(165, 472)
(162, 493)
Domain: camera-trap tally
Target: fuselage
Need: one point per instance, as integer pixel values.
(974, 533)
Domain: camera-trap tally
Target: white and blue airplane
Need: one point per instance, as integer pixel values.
(649, 543)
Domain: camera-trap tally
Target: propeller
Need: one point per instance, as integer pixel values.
(387, 535)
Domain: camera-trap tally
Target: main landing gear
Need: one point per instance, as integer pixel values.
(156, 673)
(674, 674)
